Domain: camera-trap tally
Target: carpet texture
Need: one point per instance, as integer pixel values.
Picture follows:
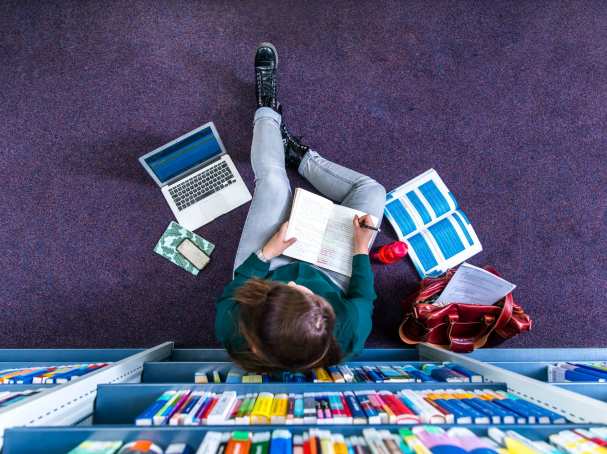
(506, 100)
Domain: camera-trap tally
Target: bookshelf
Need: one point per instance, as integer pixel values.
(114, 400)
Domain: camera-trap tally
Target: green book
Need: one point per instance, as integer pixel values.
(96, 447)
(171, 239)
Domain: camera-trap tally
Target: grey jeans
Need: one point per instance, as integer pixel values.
(271, 202)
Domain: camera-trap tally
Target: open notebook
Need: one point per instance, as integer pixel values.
(425, 214)
(324, 232)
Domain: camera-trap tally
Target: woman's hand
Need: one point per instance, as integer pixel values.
(278, 243)
(362, 236)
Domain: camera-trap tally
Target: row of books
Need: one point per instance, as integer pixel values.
(196, 407)
(405, 373)
(12, 397)
(47, 374)
(578, 372)
(415, 440)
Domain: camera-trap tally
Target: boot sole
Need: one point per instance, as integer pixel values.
(271, 46)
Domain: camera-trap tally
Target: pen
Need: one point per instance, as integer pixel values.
(370, 227)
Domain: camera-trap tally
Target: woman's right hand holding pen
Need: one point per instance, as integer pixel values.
(362, 235)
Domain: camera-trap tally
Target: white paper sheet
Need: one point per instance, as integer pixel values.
(473, 285)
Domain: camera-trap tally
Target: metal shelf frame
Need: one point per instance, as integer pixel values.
(576, 407)
(72, 402)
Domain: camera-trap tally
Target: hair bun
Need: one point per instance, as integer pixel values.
(255, 292)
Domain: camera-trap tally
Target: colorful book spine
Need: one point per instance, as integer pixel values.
(222, 410)
(321, 375)
(281, 442)
(280, 405)
(262, 409)
(239, 443)
(147, 417)
(444, 374)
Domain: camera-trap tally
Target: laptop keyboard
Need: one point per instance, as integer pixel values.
(204, 184)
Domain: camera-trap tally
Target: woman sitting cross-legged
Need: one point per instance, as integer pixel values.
(279, 313)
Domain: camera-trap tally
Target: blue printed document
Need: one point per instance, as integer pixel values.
(426, 216)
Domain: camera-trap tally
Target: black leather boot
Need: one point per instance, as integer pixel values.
(294, 149)
(266, 63)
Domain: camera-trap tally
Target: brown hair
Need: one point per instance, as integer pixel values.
(285, 328)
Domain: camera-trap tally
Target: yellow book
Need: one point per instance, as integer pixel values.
(262, 409)
(518, 447)
(321, 376)
(279, 409)
(201, 378)
(6, 377)
(339, 444)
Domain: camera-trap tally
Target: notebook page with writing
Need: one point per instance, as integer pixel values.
(308, 221)
(338, 242)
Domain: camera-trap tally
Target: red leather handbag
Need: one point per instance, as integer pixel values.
(456, 326)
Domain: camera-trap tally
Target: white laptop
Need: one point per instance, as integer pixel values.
(197, 177)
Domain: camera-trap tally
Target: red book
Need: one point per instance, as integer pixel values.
(205, 414)
(346, 406)
(400, 410)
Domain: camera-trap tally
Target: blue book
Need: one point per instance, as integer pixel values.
(234, 375)
(508, 416)
(460, 417)
(281, 442)
(472, 376)
(497, 414)
(76, 372)
(190, 404)
(298, 407)
(423, 212)
(478, 417)
(560, 374)
(375, 375)
(590, 370)
(442, 373)
(145, 418)
(27, 378)
(468, 410)
(358, 414)
(416, 373)
(522, 415)
(544, 415)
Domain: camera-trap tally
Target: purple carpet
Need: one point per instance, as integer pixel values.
(506, 100)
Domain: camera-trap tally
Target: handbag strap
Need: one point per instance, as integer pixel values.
(465, 345)
(431, 286)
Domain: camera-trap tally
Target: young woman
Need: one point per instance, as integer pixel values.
(279, 313)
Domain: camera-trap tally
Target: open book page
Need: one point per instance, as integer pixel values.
(338, 242)
(425, 214)
(473, 285)
(308, 221)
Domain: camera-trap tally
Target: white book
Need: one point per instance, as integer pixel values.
(426, 216)
(223, 408)
(324, 232)
(210, 443)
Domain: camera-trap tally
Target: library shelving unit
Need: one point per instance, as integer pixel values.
(114, 399)
(70, 403)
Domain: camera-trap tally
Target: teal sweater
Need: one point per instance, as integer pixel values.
(353, 310)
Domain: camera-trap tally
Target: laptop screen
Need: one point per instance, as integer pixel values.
(184, 155)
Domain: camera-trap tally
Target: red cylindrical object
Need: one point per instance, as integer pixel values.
(390, 253)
